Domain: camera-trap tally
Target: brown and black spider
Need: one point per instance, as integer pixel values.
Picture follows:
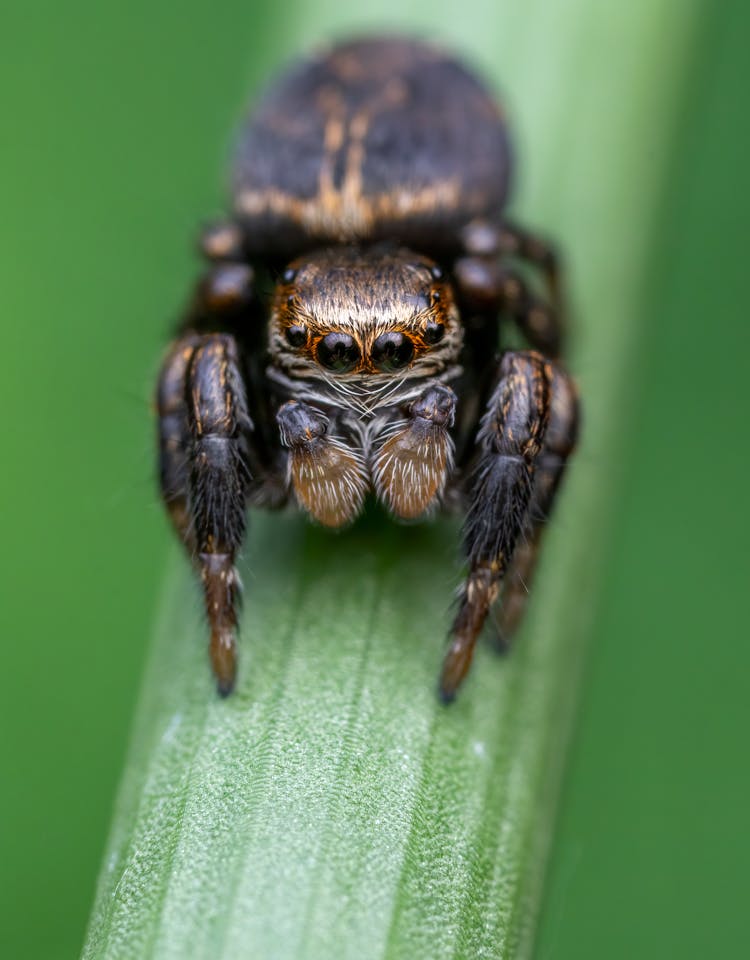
(344, 339)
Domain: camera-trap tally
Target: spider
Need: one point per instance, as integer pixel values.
(343, 341)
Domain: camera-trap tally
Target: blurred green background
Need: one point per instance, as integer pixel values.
(115, 126)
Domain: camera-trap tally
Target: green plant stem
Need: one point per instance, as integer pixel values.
(332, 808)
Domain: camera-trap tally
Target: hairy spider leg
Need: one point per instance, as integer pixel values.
(205, 476)
(510, 437)
(204, 441)
(218, 480)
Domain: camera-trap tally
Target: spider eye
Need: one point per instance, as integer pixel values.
(392, 350)
(434, 332)
(296, 335)
(338, 351)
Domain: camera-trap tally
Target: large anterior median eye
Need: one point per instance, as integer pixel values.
(392, 350)
(338, 351)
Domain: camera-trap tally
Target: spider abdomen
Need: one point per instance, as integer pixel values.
(384, 138)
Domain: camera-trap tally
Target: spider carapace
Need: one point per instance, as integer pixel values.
(345, 338)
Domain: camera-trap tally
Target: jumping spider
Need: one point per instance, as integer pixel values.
(344, 338)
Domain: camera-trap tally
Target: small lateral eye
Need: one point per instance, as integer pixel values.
(437, 272)
(433, 332)
(435, 296)
(288, 275)
(296, 335)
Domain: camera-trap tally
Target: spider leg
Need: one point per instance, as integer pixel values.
(489, 282)
(213, 458)
(516, 241)
(559, 443)
(225, 294)
(219, 476)
(224, 291)
(489, 286)
(510, 436)
(204, 432)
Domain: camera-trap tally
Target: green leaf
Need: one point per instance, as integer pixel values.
(332, 808)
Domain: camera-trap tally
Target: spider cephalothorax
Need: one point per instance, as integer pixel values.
(378, 173)
(366, 315)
